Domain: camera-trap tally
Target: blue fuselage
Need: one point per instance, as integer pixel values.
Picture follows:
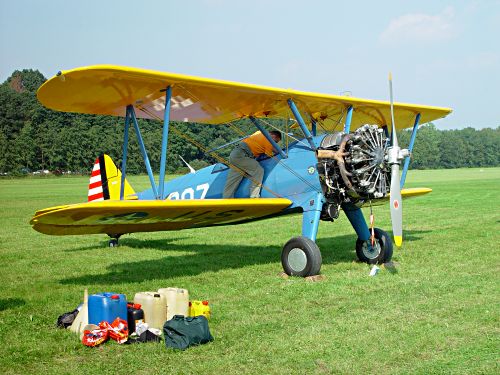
(294, 177)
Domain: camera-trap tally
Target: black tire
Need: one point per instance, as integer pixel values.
(301, 257)
(113, 242)
(382, 252)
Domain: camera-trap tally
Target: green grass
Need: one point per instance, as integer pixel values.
(438, 314)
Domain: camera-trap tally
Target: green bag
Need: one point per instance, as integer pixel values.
(181, 332)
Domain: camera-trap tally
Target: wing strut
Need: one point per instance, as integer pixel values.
(301, 122)
(164, 141)
(410, 149)
(124, 156)
(143, 151)
(268, 136)
(130, 115)
(348, 119)
(314, 130)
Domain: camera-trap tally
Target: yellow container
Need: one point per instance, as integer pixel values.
(154, 306)
(197, 308)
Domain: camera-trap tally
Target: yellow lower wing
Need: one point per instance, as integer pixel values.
(405, 194)
(119, 217)
(414, 192)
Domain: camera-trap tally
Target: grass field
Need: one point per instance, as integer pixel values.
(438, 314)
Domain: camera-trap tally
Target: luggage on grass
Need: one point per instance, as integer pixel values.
(182, 332)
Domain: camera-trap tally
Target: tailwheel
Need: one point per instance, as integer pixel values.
(380, 252)
(301, 257)
(113, 240)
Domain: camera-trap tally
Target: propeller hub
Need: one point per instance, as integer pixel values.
(378, 156)
(393, 155)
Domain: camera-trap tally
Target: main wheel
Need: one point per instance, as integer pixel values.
(113, 239)
(113, 242)
(301, 257)
(381, 252)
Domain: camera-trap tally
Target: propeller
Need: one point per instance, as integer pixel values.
(395, 157)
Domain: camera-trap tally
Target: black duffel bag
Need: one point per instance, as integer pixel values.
(66, 320)
(181, 332)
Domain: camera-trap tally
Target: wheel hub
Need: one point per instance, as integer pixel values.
(297, 259)
(371, 252)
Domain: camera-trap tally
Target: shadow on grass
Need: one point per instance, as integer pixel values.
(131, 242)
(202, 258)
(413, 235)
(11, 303)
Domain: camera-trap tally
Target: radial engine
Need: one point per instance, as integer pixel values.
(354, 168)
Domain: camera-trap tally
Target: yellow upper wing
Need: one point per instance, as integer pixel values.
(119, 217)
(108, 89)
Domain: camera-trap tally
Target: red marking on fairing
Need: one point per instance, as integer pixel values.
(396, 204)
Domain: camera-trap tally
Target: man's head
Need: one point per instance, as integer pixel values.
(275, 135)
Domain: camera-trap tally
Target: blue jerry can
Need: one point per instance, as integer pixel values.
(107, 307)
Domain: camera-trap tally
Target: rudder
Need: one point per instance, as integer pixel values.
(105, 181)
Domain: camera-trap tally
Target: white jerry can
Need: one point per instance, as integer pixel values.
(154, 306)
(177, 301)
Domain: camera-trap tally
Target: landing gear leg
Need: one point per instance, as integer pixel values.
(301, 256)
(381, 251)
(113, 240)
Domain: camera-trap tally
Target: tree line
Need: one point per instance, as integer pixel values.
(33, 138)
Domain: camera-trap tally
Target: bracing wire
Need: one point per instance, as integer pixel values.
(281, 161)
(225, 161)
(213, 154)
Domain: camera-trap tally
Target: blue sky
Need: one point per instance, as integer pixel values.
(443, 53)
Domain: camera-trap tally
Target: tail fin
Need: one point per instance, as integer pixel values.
(105, 181)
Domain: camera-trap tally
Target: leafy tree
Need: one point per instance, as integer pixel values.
(25, 147)
(453, 150)
(3, 150)
(34, 137)
(426, 150)
(26, 80)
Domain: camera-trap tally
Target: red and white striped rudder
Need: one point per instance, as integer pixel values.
(96, 192)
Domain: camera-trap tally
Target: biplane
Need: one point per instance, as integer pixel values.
(337, 153)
